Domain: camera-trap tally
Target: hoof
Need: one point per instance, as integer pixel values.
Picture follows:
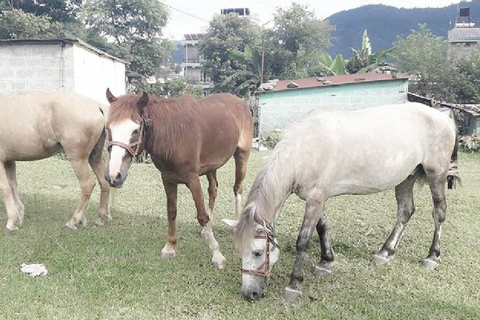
(70, 226)
(219, 263)
(98, 222)
(430, 264)
(292, 294)
(380, 260)
(168, 254)
(11, 226)
(322, 270)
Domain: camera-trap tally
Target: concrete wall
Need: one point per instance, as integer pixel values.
(50, 67)
(33, 67)
(279, 108)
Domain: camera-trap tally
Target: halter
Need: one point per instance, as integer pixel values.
(264, 269)
(132, 148)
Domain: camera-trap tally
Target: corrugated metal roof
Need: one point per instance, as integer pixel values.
(283, 85)
(464, 35)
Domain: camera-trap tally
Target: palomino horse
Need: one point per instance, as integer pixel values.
(39, 125)
(331, 153)
(186, 138)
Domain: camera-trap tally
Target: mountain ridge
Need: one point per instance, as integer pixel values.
(385, 23)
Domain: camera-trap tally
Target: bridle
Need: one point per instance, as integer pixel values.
(132, 148)
(264, 269)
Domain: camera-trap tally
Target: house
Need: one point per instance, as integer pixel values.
(464, 37)
(28, 65)
(192, 63)
(193, 71)
(281, 102)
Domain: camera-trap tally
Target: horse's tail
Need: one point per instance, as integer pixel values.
(453, 176)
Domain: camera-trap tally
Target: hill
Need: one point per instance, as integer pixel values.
(385, 23)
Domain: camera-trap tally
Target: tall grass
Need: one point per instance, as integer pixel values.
(116, 272)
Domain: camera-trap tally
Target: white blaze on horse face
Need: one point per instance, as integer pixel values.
(121, 132)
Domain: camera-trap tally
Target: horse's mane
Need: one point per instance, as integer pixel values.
(267, 195)
(125, 108)
(171, 119)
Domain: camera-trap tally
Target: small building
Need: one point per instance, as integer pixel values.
(192, 63)
(281, 102)
(193, 71)
(464, 37)
(28, 65)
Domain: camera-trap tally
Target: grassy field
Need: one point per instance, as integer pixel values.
(115, 271)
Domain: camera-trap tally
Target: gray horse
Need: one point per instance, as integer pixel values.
(331, 153)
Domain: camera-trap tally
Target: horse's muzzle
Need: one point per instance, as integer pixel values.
(116, 182)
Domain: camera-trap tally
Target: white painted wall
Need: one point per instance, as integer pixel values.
(94, 74)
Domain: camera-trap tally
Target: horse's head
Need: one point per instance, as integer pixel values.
(259, 253)
(126, 127)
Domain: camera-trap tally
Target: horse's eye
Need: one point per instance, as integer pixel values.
(135, 131)
(258, 253)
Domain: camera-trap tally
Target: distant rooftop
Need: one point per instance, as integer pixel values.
(194, 36)
(284, 85)
(464, 35)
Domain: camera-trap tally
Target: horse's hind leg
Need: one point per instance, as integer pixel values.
(212, 190)
(98, 166)
(8, 186)
(406, 208)
(324, 266)
(87, 183)
(205, 220)
(241, 157)
(437, 187)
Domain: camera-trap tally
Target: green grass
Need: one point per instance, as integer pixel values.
(115, 271)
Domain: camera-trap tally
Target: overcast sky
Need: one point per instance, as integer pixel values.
(192, 16)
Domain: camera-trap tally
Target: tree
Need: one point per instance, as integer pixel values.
(16, 24)
(363, 60)
(468, 81)
(135, 26)
(250, 76)
(225, 34)
(64, 11)
(427, 57)
(297, 35)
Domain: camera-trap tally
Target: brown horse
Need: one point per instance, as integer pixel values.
(39, 125)
(186, 138)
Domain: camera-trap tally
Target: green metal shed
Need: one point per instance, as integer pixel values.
(280, 102)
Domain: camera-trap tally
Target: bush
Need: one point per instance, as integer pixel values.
(273, 137)
(470, 143)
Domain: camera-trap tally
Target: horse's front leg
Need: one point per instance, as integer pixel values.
(8, 186)
(87, 183)
(204, 218)
(169, 250)
(313, 211)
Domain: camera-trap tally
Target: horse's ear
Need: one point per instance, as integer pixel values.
(110, 96)
(230, 223)
(142, 103)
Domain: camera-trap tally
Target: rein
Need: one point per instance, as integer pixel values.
(264, 269)
(132, 148)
